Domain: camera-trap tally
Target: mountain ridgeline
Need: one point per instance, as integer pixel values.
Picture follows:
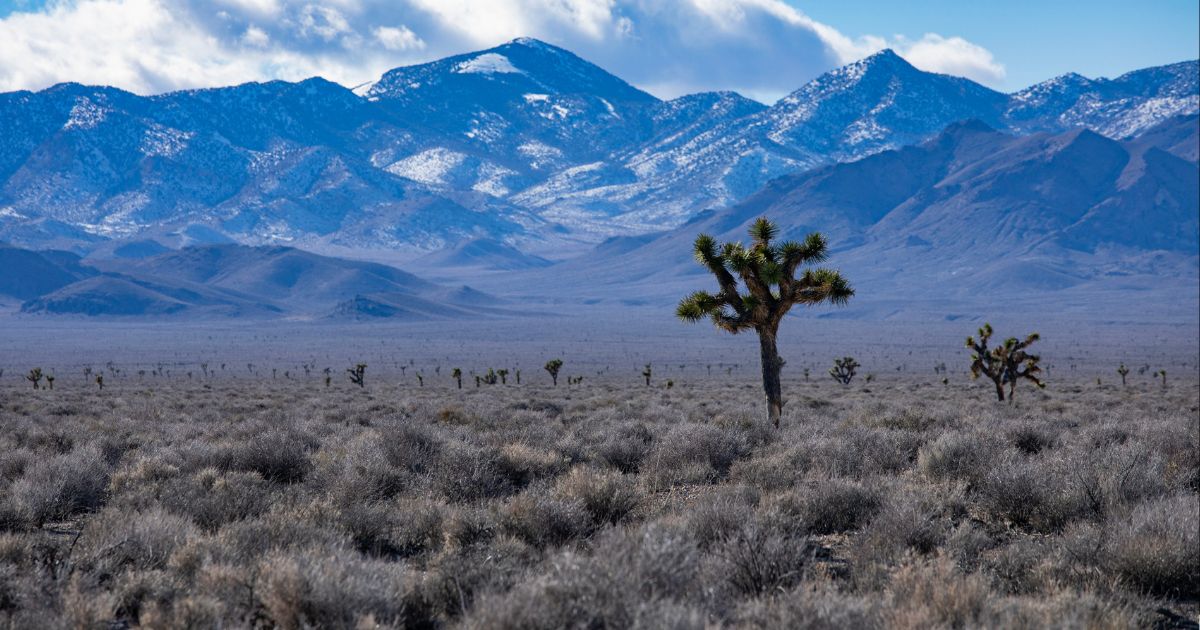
(524, 144)
(525, 166)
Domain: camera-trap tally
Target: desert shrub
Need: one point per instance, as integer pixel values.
(910, 523)
(469, 525)
(809, 607)
(212, 498)
(760, 557)
(1031, 439)
(542, 520)
(1034, 495)
(279, 456)
(772, 471)
(410, 447)
(453, 581)
(626, 449)
(695, 453)
(400, 529)
(628, 570)
(965, 544)
(1016, 566)
(720, 515)
(834, 506)
(334, 588)
(61, 486)
(1157, 547)
(116, 541)
(857, 451)
(522, 464)
(958, 456)
(935, 594)
(466, 473)
(609, 497)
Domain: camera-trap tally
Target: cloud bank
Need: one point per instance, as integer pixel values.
(761, 48)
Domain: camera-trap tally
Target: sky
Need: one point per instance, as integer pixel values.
(761, 48)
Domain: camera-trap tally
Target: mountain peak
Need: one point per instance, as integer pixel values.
(531, 42)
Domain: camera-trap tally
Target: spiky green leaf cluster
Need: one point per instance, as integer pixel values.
(767, 275)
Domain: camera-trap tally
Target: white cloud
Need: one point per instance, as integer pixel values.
(952, 55)
(398, 38)
(256, 37)
(762, 48)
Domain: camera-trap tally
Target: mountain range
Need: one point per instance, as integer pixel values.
(543, 178)
(524, 145)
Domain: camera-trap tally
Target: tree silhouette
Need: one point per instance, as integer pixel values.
(553, 366)
(768, 273)
(1006, 363)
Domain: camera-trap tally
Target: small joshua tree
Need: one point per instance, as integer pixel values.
(358, 374)
(553, 366)
(420, 380)
(490, 378)
(647, 373)
(328, 380)
(1163, 375)
(769, 275)
(1005, 364)
(457, 374)
(50, 381)
(1123, 371)
(503, 374)
(844, 369)
(100, 381)
(518, 375)
(35, 377)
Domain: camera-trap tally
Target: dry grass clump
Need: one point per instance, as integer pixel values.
(286, 504)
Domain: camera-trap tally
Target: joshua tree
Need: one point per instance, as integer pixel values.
(100, 381)
(357, 374)
(457, 374)
(647, 373)
(805, 375)
(1123, 371)
(553, 366)
(1006, 363)
(476, 380)
(328, 380)
(49, 381)
(670, 383)
(1163, 374)
(769, 275)
(420, 380)
(35, 377)
(517, 373)
(490, 378)
(503, 376)
(844, 369)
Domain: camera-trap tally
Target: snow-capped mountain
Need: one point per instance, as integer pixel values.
(972, 218)
(525, 147)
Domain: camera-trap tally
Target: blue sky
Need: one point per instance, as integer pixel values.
(1036, 40)
(762, 48)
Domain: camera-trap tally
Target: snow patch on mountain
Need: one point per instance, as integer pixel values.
(86, 114)
(487, 63)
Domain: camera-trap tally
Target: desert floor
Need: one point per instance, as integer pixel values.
(258, 496)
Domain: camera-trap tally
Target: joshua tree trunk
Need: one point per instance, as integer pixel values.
(999, 390)
(772, 365)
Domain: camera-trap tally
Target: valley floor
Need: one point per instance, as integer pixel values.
(902, 503)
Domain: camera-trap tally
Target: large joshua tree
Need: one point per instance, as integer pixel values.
(768, 273)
